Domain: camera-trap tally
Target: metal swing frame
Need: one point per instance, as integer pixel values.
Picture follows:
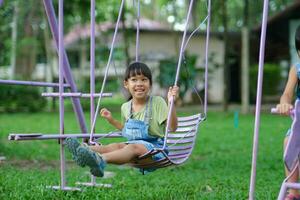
(180, 143)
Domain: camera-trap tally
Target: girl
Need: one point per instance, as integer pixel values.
(143, 124)
(285, 106)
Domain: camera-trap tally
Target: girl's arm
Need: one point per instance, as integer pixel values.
(285, 104)
(173, 93)
(108, 116)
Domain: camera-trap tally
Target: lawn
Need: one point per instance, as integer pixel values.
(219, 167)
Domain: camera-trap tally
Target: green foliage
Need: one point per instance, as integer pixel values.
(167, 73)
(271, 79)
(112, 85)
(21, 98)
(219, 167)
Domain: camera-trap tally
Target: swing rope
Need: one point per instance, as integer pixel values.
(177, 73)
(182, 49)
(106, 73)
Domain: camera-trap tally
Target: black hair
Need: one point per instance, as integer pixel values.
(138, 68)
(297, 39)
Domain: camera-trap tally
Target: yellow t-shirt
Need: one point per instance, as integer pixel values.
(158, 116)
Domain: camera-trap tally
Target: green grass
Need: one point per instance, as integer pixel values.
(219, 167)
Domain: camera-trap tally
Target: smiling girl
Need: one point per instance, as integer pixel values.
(143, 124)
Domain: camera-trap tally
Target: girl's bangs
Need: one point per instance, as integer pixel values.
(135, 72)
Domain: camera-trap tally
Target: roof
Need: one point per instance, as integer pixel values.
(83, 31)
(290, 12)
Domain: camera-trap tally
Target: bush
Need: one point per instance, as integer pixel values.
(112, 85)
(167, 73)
(271, 80)
(21, 99)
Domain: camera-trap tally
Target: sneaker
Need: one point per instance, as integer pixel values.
(72, 144)
(292, 197)
(91, 159)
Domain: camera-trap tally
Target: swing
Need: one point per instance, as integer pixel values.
(180, 143)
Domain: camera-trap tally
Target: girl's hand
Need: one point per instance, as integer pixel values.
(173, 93)
(284, 108)
(106, 114)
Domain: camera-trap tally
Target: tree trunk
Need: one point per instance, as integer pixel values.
(245, 62)
(26, 62)
(226, 87)
(14, 40)
(49, 73)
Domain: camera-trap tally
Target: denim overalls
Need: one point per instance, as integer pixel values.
(136, 129)
(136, 132)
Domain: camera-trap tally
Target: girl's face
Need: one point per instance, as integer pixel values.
(138, 86)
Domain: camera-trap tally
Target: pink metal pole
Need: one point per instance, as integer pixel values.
(206, 57)
(92, 74)
(66, 67)
(107, 68)
(61, 90)
(258, 99)
(31, 83)
(178, 69)
(76, 94)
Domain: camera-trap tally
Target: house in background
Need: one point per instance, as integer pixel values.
(280, 48)
(157, 42)
(280, 36)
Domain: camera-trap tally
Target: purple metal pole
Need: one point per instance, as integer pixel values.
(31, 83)
(92, 65)
(66, 66)
(76, 94)
(137, 46)
(178, 69)
(258, 99)
(92, 74)
(61, 89)
(106, 69)
(206, 57)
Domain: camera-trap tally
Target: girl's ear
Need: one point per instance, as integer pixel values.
(125, 83)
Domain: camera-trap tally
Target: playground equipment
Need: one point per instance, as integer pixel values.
(292, 151)
(180, 143)
(291, 155)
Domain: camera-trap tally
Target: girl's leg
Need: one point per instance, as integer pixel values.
(107, 148)
(125, 155)
(294, 177)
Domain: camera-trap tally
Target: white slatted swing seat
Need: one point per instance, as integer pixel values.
(180, 145)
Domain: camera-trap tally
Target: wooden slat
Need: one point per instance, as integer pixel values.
(181, 135)
(181, 147)
(178, 156)
(181, 141)
(185, 129)
(182, 152)
(188, 118)
(188, 123)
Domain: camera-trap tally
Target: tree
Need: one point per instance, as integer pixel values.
(245, 61)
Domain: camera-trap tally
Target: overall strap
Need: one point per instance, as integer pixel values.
(148, 112)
